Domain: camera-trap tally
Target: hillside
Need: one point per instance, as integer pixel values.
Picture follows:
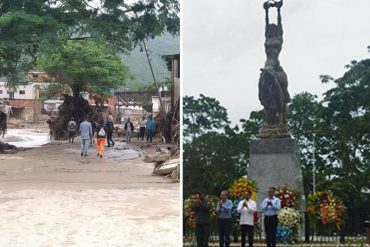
(138, 63)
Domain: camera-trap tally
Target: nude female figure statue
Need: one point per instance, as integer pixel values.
(273, 83)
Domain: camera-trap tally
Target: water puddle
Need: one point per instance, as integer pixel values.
(121, 151)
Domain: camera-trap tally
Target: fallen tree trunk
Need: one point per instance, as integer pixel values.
(76, 107)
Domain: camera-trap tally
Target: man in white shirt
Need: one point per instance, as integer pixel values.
(271, 206)
(246, 209)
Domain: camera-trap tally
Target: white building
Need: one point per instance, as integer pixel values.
(24, 97)
(28, 90)
(23, 91)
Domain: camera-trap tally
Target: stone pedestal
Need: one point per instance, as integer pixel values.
(275, 162)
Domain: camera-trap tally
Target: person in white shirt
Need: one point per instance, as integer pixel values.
(246, 209)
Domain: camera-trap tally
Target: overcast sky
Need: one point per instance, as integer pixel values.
(223, 47)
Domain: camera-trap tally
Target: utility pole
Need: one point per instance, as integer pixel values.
(313, 164)
(155, 81)
(162, 110)
(313, 175)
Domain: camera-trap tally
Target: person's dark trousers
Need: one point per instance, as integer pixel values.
(271, 223)
(224, 231)
(149, 136)
(109, 139)
(202, 233)
(71, 136)
(247, 229)
(142, 131)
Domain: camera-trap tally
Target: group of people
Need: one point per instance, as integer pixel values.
(103, 130)
(144, 125)
(270, 207)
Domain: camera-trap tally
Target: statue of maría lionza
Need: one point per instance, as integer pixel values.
(273, 83)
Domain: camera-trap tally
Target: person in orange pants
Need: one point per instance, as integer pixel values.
(100, 140)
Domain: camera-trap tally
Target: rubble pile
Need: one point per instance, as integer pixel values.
(167, 162)
(19, 123)
(119, 130)
(16, 123)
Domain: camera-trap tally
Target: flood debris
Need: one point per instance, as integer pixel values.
(6, 148)
(156, 158)
(175, 175)
(167, 162)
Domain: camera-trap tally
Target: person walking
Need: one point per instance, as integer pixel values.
(100, 139)
(270, 207)
(3, 125)
(7, 109)
(202, 208)
(223, 210)
(150, 127)
(246, 208)
(71, 128)
(110, 117)
(110, 128)
(86, 136)
(129, 128)
(142, 124)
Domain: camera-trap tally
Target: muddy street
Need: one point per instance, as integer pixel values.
(51, 196)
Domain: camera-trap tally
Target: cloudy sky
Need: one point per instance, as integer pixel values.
(223, 47)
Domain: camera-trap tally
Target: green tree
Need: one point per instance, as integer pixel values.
(214, 153)
(212, 161)
(202, 115)
(31, 27)
(25, 27)
(348, 116)
(85, 66)
(307, 127)
(50, 91)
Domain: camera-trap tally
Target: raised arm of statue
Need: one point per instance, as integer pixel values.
(280, 25)
(267, 16)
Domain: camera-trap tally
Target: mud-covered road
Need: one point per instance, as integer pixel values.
(51, 196)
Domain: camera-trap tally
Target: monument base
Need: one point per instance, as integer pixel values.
(274, 162)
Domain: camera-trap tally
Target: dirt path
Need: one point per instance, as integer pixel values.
(51, 196)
